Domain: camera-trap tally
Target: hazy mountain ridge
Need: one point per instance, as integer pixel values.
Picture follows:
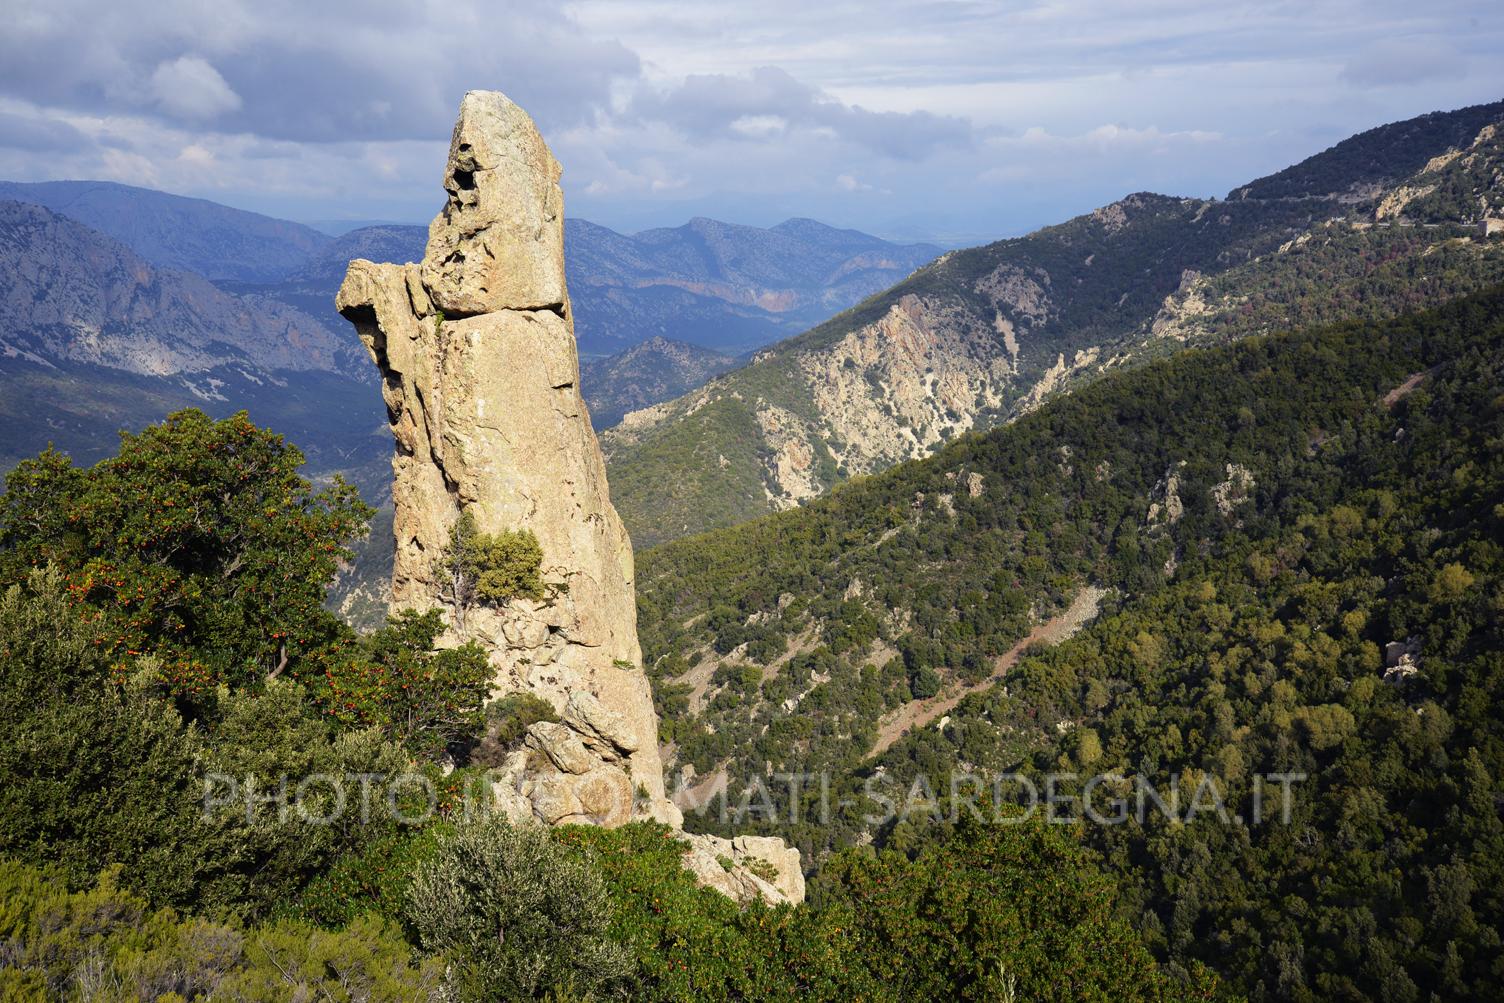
(983, 334)
(652, 371)
(73, 294)
(174, 231)
(721, 286)
(115, 285)
(93, 339)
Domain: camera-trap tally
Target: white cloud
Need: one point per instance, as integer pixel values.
(769, 102)
(189, 88)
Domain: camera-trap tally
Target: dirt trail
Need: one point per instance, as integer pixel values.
(918, 713)
(1405, 389)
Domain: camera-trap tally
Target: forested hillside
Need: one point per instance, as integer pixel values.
(216, 791)
(1381, 223)
(1271, 518)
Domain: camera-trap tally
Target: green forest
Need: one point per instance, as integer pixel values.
(1299, 541)
(1248, 636)
(162, 636)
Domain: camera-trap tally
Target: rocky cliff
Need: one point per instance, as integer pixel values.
(481, 380)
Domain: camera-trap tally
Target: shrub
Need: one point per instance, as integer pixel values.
(491, 568)
(375, 880)
(694, 945)
(94, 773)
(105, 943)
(429, 701)
(518, 914)
(507, 721)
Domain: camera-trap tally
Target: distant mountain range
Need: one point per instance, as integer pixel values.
(192, 235)
(93, 338)
(718, 285)
(722, 286)
(1379, 224)
(120, 304)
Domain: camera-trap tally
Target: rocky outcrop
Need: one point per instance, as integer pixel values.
(481, 381)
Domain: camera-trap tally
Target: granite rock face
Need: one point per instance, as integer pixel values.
(480, 376)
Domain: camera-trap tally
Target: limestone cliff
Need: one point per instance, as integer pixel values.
(481, 381)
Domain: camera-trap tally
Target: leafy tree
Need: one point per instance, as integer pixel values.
(518, 915)
(199, 541)
(490, 568)
(428, 701)
(95, 773)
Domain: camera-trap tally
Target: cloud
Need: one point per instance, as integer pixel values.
(38, 134)
(189, 88)
(324, 72)
(987, 117)
(769, 104)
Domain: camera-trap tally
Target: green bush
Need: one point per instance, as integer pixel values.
(393, 680)
(507, 721)
(491, 568)
(518, 914)
(94, 773)
(106, 944)
(692, 944)
(199, 542)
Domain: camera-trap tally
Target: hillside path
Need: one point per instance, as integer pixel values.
(918, 713)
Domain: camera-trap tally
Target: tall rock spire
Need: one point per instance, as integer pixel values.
(481, 380)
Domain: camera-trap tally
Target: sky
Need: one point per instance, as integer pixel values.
(957, 121)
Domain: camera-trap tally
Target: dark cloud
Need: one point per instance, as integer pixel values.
(768, 101)
(308, 72)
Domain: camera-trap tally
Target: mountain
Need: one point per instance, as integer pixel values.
(653, 371)
(1379, 224)
(725, 286)
(93, 339)
(1277, 556)
(185, 234)
(707, 283)
(388, 242)
(717, 285)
